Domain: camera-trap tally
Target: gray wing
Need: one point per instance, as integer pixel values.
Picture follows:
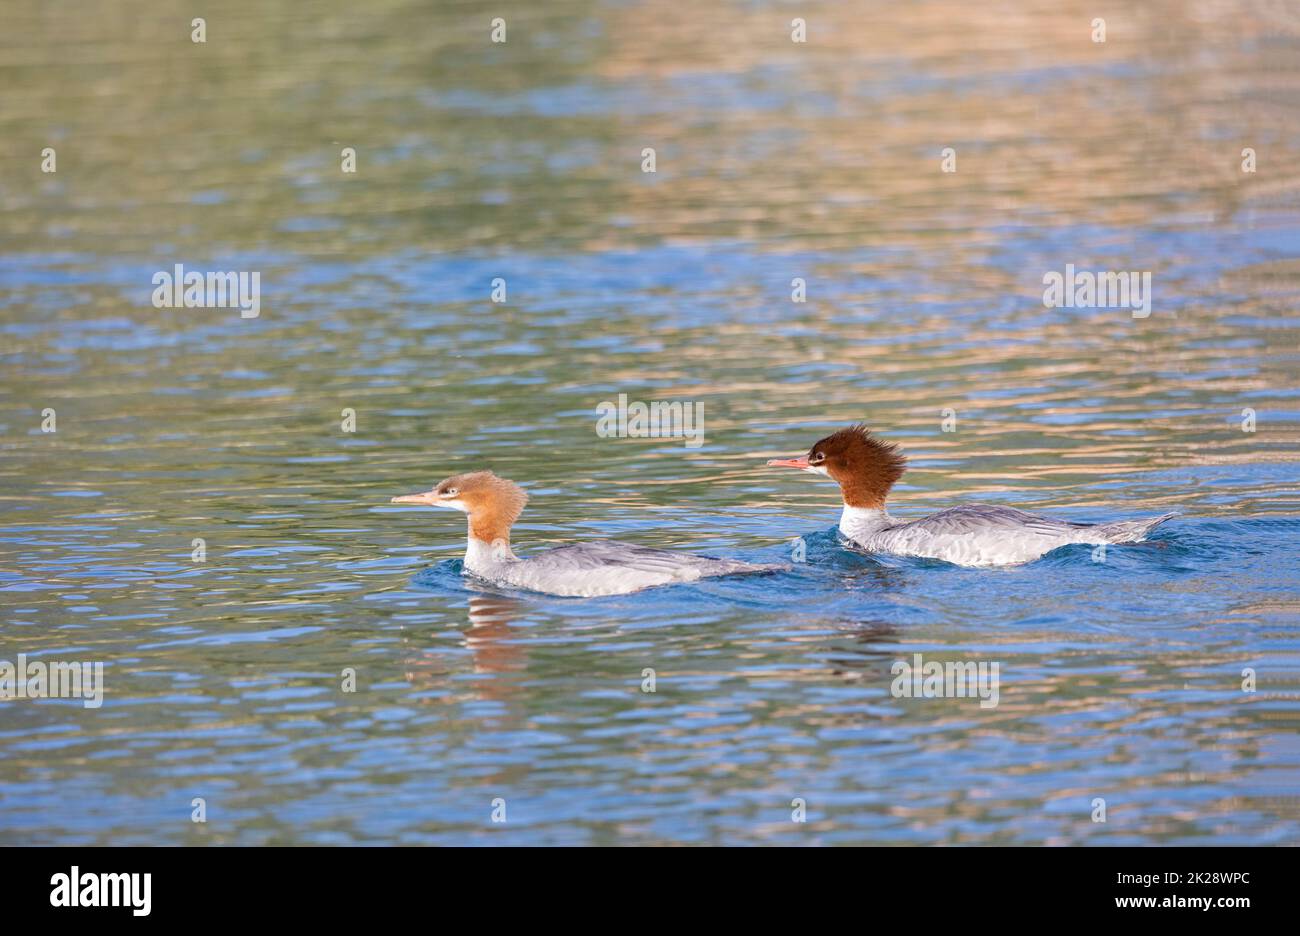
(979, 518)
(601, 554)
(603, 567)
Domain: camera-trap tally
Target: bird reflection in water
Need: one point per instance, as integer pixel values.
(491, 634)
(869, 653)
(494, 653)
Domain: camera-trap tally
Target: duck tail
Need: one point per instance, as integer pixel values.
(1131, 531)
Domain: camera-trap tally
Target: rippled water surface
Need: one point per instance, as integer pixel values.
(1120, 680)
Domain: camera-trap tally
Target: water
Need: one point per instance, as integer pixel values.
(1119, 680)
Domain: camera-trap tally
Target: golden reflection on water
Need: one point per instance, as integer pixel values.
(824, 145)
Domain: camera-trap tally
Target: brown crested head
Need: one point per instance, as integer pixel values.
(865, 467)
(493, 503)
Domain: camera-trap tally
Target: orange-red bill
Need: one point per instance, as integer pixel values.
(412, 498)
(800, 462)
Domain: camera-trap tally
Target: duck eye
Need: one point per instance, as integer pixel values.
(449, 492)
(817, 457)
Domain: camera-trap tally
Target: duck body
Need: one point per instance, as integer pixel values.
(980, 535)
(866, 468)
(599, 567)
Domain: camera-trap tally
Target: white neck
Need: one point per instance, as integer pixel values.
(480, 554)
(859, 522)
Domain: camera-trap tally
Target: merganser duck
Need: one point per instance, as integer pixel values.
(977, 535)
(584, 570)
